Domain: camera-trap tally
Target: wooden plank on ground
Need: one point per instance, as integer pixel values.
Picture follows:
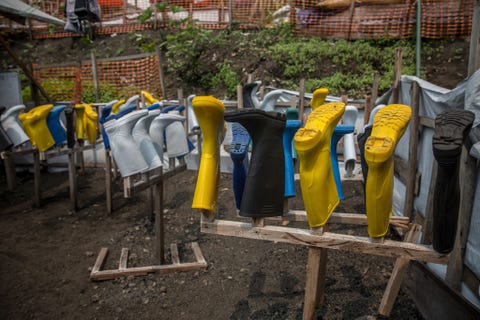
(174, 253)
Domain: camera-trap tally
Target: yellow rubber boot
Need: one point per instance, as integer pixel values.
(389, 125)
(35, 125)
(86, 122)
(209, 112)
(318, 99)
(116, 106)
(317, 181)
(91, 123)
(148, 97)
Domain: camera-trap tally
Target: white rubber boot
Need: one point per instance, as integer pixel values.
(349, 154)
(12, 126)
(125, 150)
(157, 128)
(192, 118)
(176, 139)
(142, 137)
(268, 103)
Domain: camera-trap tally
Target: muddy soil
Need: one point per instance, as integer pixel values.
(47, 254)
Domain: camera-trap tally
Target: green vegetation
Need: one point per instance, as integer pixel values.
(345, 67)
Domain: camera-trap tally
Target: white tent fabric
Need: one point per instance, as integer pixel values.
(19, 8)
(433, 100)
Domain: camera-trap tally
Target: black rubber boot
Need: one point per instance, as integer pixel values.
(70, 127)
(451, 130)
(264, 185)
(5, 142)
(361, 140)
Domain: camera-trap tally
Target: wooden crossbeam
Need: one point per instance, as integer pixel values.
(388, 248)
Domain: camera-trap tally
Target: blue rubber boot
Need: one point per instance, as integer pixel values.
(104, 114)
(239, 156)
(290, 129)
(54, 125)
(338, 133)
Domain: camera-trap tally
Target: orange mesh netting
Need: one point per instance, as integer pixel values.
(351, 19)
(122, 79)
(117, 79)
(60, 82)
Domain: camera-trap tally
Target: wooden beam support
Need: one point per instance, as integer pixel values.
(396, 278)
(412, 152)
(328, 240)
(468, 180)
(315, 281)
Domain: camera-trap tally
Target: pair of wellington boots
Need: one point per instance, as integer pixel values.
(12, 125)
(451, 130)
(35, 125)
(86, 122)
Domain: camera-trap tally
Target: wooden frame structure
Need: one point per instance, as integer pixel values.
(152, 182)
(8, 157)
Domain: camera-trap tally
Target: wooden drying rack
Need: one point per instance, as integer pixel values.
(8, 157)
(151, 181)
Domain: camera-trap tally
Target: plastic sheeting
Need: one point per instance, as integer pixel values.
(433, 100)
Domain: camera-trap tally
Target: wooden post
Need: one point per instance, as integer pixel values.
(301, 107)
(474, 54)
(350, 18)
(396, 278)
(108, 180)
(37, 178)
(159, 223)
(428, 216)
(468, 175)
(397, 73)
(161, 58)
(10, 172)
(95, 76)
(315, 281)
(412, 152)
(239, 97)
(372, 99)
(230, 13)
(72, 180)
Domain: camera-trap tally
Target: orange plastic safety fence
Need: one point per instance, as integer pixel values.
(118, 79)
(122, 79)
(60, 82)
(352, 19)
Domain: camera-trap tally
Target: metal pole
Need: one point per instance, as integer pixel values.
(418, 48)
(474, 55)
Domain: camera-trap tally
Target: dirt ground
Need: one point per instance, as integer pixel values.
(47, 254)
